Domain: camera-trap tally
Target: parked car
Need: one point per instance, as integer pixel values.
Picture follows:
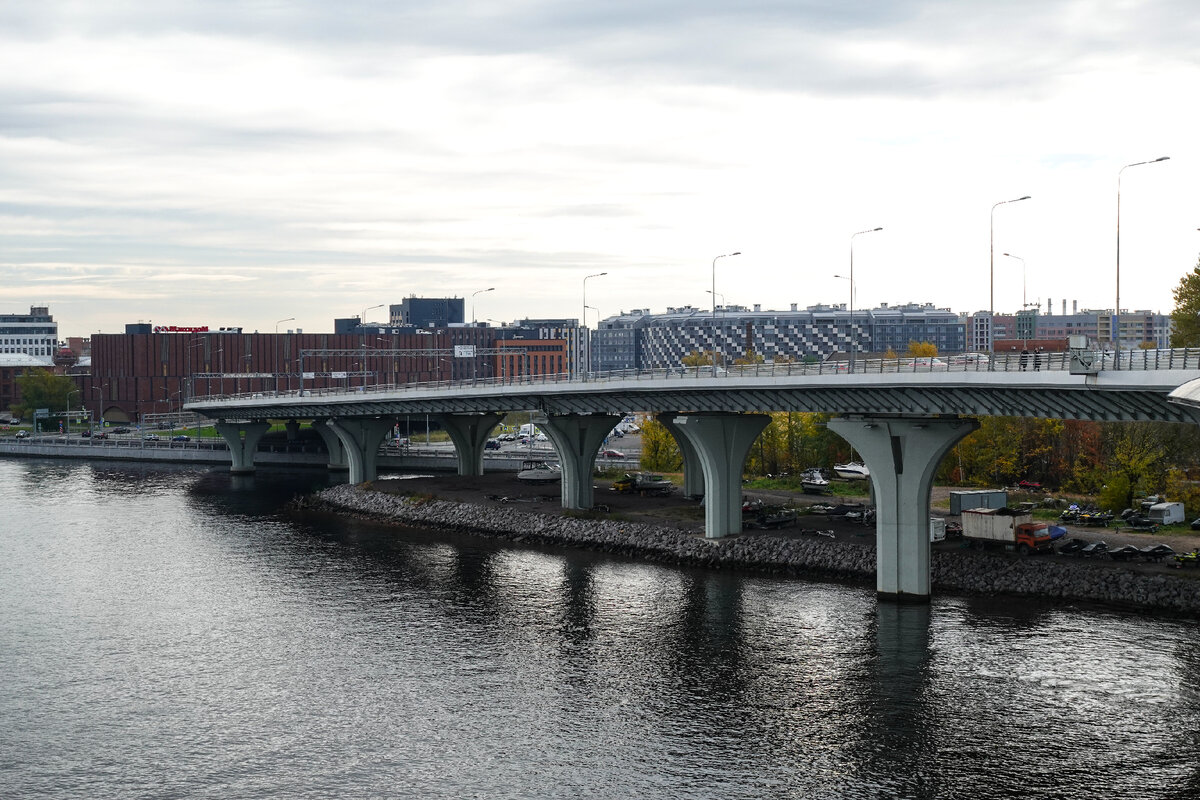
(611, 454)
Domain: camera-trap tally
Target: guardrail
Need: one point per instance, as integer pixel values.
(1015, 361)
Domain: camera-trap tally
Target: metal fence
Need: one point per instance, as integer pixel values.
(1014, 361)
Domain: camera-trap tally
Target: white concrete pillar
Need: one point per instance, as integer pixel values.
(361, 437)
(721, 442)
(242, 438)
(469, 432)
(577, 438)
(902, 455)
(338, 462)
(693, 470)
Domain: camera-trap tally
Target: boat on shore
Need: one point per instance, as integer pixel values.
(852, 471)
(539, 472)
(813, 481)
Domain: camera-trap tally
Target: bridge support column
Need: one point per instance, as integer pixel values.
(722, 441)
(360, 438)
(469, 432)
(693, 470)
(902, 455)
(577, 438)
(242, 438)
(338, 462)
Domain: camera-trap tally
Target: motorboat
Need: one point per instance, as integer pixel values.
(852, 471)
(813, 482)
(643, 483)
(539, 472)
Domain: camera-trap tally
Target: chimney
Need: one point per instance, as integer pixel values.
(758, 306)
(1074, 306)
(1064, 306)
(793, 306)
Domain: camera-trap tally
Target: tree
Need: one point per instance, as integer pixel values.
(697, 359)
(659, 449)
(921, 350)
(1186, 315)
(41, 388)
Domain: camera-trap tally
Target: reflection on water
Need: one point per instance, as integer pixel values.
(189, 636)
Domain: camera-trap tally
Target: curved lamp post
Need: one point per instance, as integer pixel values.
(583, 320)
(1024, 304)
(854, 330)
(1116, 317)
(363, 319)
(992, 276)
(714, 311)
(481, 291)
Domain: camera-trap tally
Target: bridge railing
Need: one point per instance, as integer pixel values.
(1003, 361)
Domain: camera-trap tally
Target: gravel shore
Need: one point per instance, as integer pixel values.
(532, 516)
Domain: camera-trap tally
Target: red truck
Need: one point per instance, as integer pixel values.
(988, 527)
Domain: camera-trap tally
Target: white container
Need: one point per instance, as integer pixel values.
(937, 529)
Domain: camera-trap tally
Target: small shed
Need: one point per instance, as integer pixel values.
(977, 498)
(1167, 513)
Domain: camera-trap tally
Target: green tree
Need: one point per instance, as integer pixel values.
(41, 388)
(697, 359)
(659, 449)
(1186, 315)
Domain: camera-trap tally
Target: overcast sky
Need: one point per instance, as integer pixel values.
(239, 162)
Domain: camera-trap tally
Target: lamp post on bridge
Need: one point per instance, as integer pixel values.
(992, 278)
(583, 324)
(481, 291)
(854, 330)
(714, 310)
(1116, 317)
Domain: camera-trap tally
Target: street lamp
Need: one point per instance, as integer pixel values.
(854, 330)
(481, 291)
(289, 319)
(1018, 258)
(714, 312)
(1116, 327)
(73, 391)
(363, 319)
(992, 276)
(583, 320)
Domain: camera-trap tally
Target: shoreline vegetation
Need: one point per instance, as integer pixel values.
(784, 553)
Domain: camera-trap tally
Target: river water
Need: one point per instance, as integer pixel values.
(176, 633)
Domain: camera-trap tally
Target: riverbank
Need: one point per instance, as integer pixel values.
(848, 554)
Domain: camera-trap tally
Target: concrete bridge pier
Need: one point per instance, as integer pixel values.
(693, 470)
(338, 462)
(902, 454)
(360, 438)
(722, 441)
(577, 439)
(242, 438)
(469, 432)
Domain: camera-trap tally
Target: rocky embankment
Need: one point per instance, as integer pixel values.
(963, 571)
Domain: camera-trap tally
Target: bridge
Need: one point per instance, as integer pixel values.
(901, 415)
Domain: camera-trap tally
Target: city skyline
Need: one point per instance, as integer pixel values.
(214, 164)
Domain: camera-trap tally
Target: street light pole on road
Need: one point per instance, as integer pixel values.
(714, 310)
(853, 330)
(1116, 317)
(992, 276)
(583, 325)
